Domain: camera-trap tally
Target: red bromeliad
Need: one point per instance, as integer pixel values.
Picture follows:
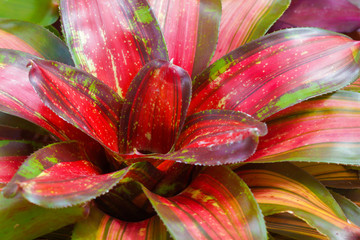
(150, 97)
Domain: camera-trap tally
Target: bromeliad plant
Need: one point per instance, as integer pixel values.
(167, 101)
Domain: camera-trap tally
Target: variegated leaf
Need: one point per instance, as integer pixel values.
(216, 137)
(18, 97)
(113, 39)
(155, 108)
(277, 71)
(323, 129)
(101, 226)
(332, 175)
(282, 187)
(33, 39)
(244, 21)
(190, 29)
(216, 205)
(293, 227)
(80, 99)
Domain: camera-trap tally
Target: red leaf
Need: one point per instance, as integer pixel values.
(217, 137)
(80, 99)
(190, 29)
(47, 158)
(217, 205)
(155, 108)
(277, 71)
(244, 21)
(112, 39)
(334, 15)
(18, 97)
(323, 129)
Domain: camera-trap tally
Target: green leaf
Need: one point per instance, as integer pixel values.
(216, 205)
(283, 187)
(33, 39)
(101, 226)
(43, 12)
(351, 210)
(22, 220)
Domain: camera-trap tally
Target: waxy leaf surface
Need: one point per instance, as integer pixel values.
(283, 187)
(18, 97)
(190, 30)
(155, 108)
(244, 21)
(216, 205)
(334, 15)
(101, 226)
(33, 39)
(113, 39)
(277, 71)
(43, 12)
(323, 129)
(217, 137)
(80, 99)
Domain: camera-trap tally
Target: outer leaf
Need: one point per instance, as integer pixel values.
(23, 101)
(334, 15)
(22, 220)
(285, 188)
(324, 129)
(43, 12)
(112, 39)
(244, 21)
(12, 155)
(352, 194)
(33, 39)
(190, 29)
(333, 175)
(350, 209)
(288, 225)
(217, 137)
(155, 108)
(277, 71)
(58, 155)
(80, 99)
(101, 226)
(59, 176)
(217, 205)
